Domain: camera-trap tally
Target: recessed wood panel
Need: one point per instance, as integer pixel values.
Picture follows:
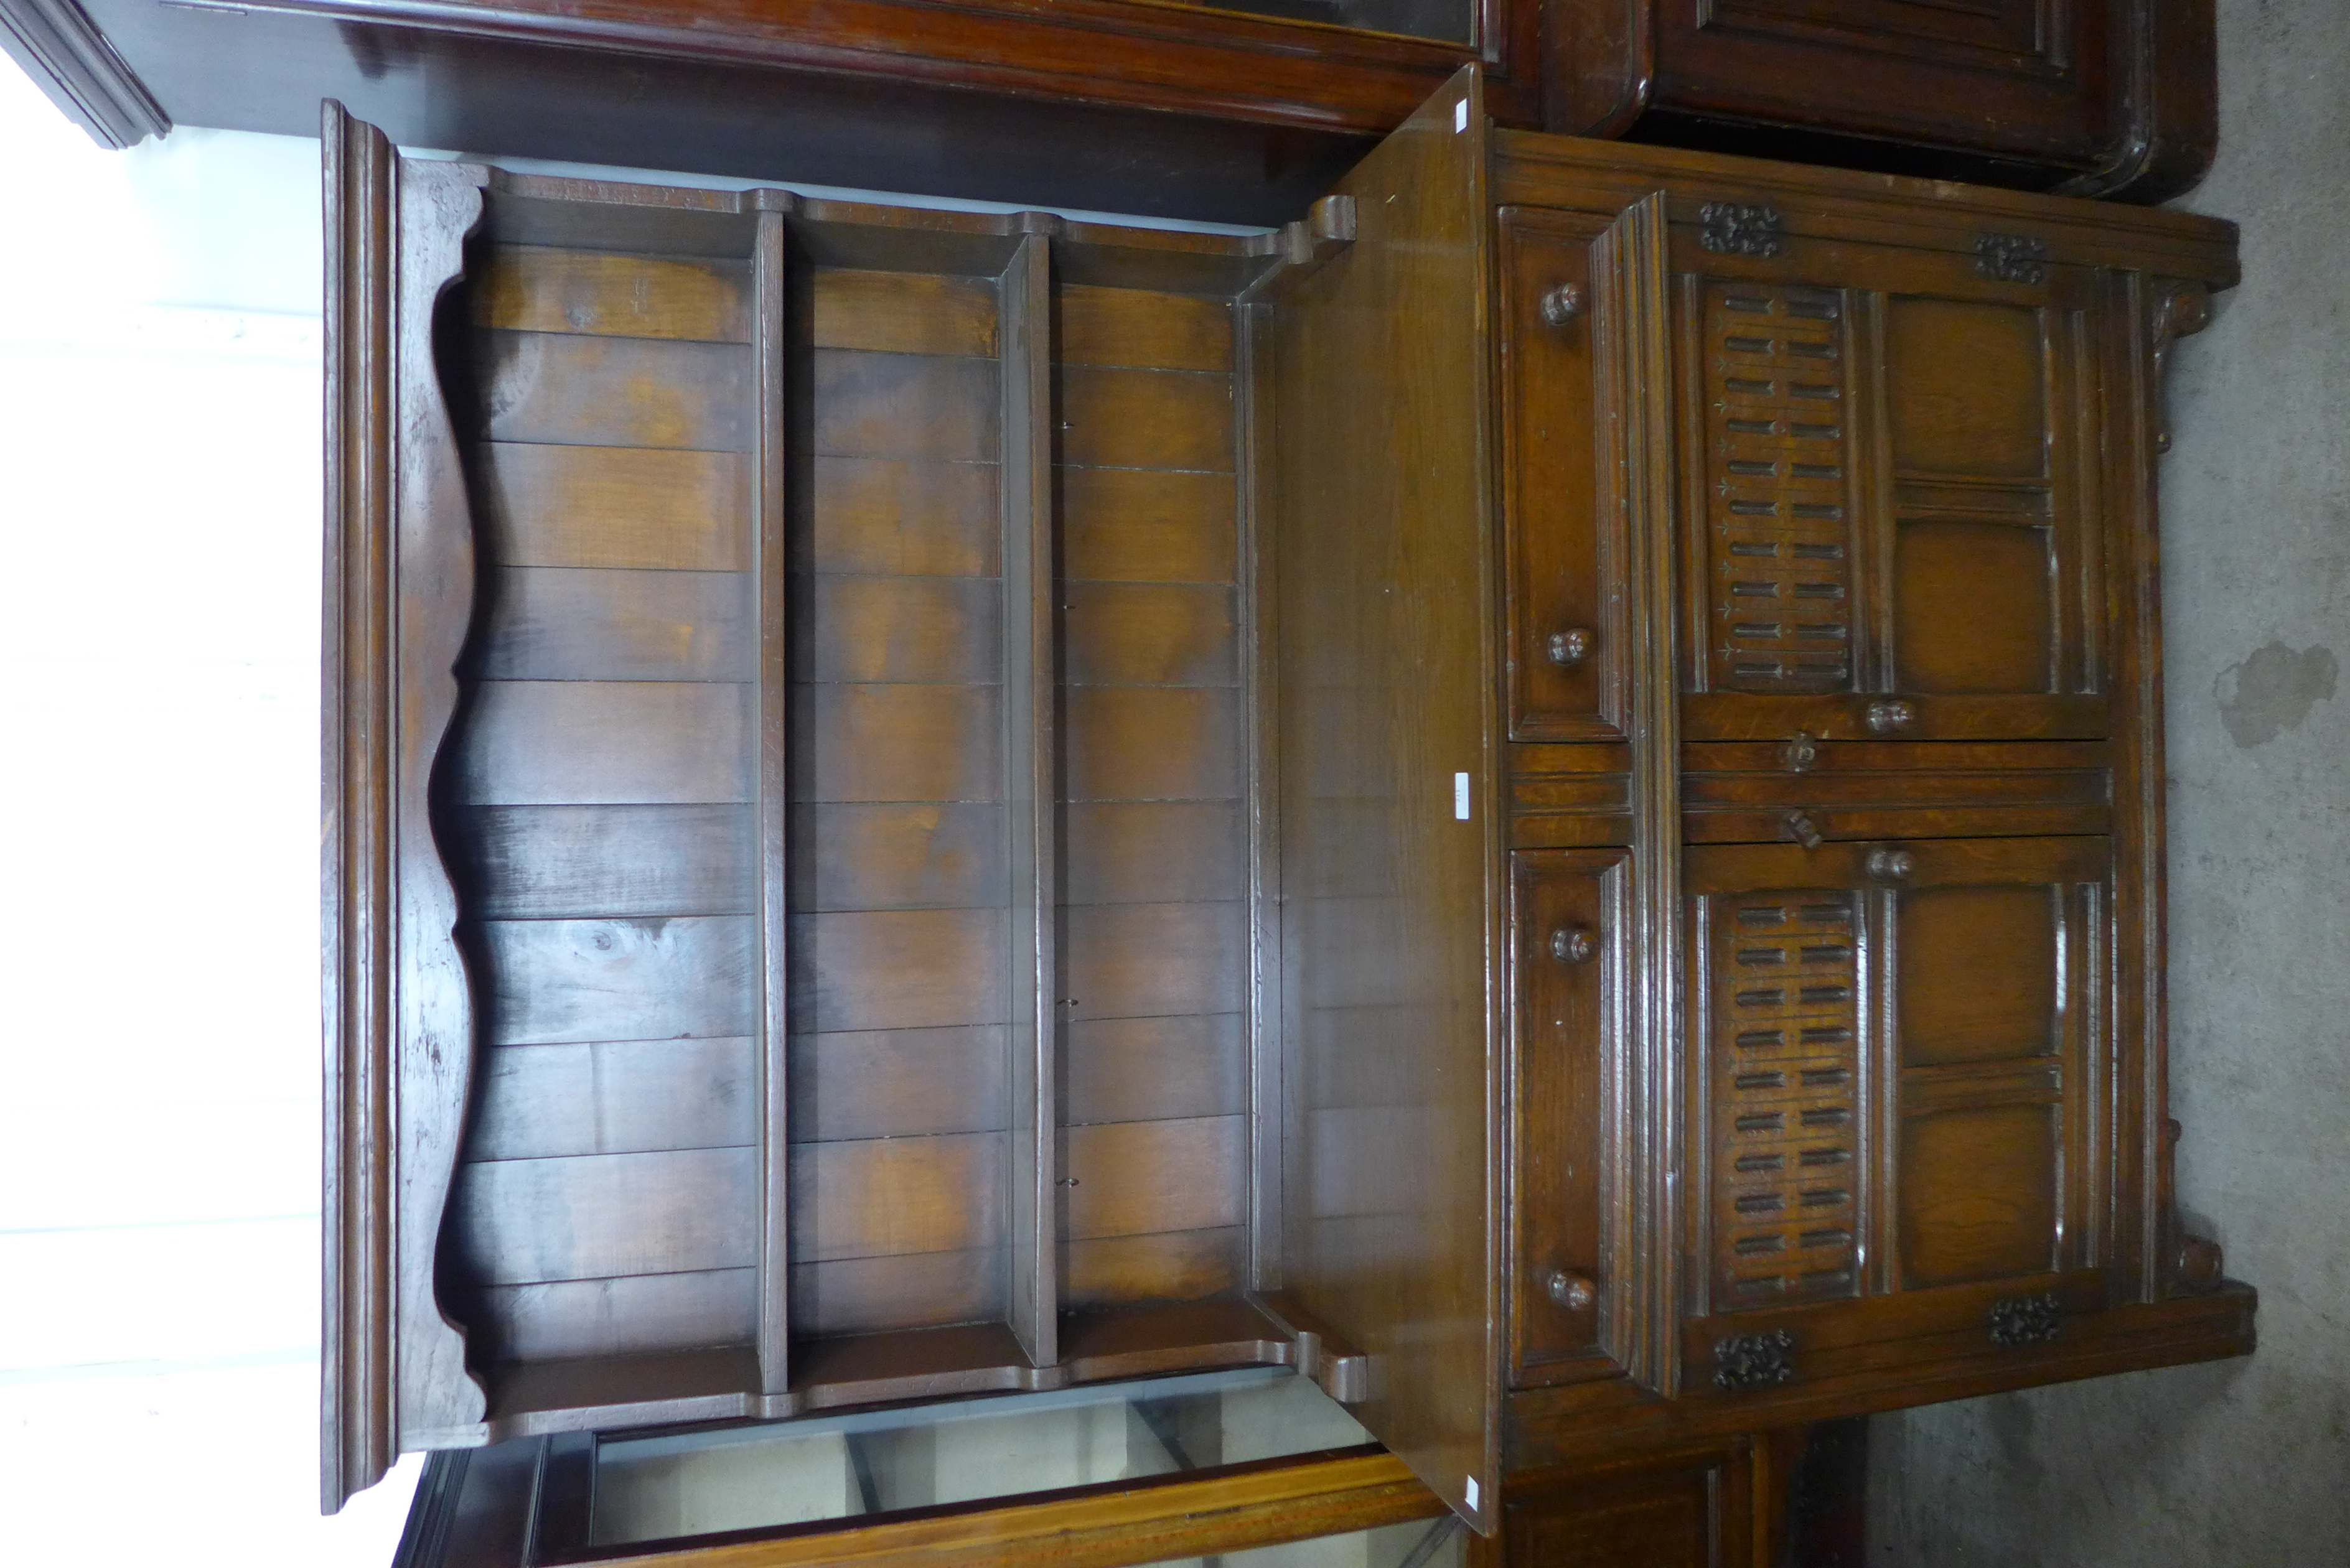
(902, 1083)
(543, 288)
(1167, 1266)
(873, 1295)
(888, 1197)
(613, 506)
(577, 391)
(593, 743)
(651, 979)
(905, 515)
(1978, 1194)
(897, 968)
(1140, 852)
(1152, 744)
(923, 855)
(896, 742)
(520, 1221)
(1145, 419)
(1132, 1069)
(634, 1314)
(1966, 387)
(900, 629)
(1658, 1519)
(1136, 526)
(1978, 977)
(1131, 1179)
(905, 405)
(535, 862)
(557, 623)
(903, 312)
(1149, 634)
(1973, 607)
(1139, 960)
(619, 1096)
(1135, 326)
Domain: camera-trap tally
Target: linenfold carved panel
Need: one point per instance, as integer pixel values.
(1786, 1017)
(1778, 465)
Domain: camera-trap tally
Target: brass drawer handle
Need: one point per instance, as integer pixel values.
(1562, 305)
(1574, 1292)
(1573, 944)
(1890, 717)
(1571, 647)
(1803, 829)
(1890, 865)
(1800, 754)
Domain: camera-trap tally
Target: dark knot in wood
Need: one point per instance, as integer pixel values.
(2026, 1320)
(1754, 1361)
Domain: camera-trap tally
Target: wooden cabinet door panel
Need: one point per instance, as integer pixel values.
(1903, 1058)
(1891, 512)
(1570, 918)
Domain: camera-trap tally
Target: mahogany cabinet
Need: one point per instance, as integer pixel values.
(1537, 797)
(1240, 112)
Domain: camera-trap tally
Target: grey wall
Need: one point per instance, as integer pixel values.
(2244, 1462)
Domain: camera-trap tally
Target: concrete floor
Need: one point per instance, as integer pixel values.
(2244, 1462)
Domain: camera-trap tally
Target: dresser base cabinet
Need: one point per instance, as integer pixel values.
(1536, 798)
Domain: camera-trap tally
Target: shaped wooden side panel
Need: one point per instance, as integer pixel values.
(397, 1015)
(1391, 843)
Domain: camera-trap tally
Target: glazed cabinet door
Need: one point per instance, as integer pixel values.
(1897, 1124)
(1890, 503)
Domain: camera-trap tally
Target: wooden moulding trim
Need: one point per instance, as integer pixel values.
(769, 548)
(63, 50)
(1308, 75)
(1633, 357)
(2167, 109)
(1842, 204)
(1571, 1425)
(1227, 1508)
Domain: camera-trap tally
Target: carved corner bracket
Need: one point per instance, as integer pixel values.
(2182, 310)
(1735, 228)
(2018, 1321)
(1744, 1361)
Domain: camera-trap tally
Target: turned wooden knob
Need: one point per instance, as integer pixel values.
(1890, 865)
(1571, 647)
(1573, 944)
(1572, 1291)
(1890, 717)
(1562, 305)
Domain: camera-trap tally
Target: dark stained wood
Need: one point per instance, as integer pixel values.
(1126, 852)
(611, 506)
(1980, 973)
(1143, 960)
(896, 743)
(569, 389)
(1379, 480)
(594, 742)
(900, 629)
(645, 979)
(1094, 326)
(885, 1197)
(897, 968)
(1113, 418)
(910, 1291)
(1165, 1266)
(905, 405)
(903, 312)
(547, 623)
(1149, 634)
(883, 514)
(621, 1097)
(1152, 744)
(1978, 1195)
(634, 1314)
(1123, 525)
(1132, 1069)
(898, 1083)
(1134, 1179)
(942, 855)
(536, 862)
(541, 288)
(521, 1221)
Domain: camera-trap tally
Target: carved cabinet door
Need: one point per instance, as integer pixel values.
(1898, 1101)
(1890, 492)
